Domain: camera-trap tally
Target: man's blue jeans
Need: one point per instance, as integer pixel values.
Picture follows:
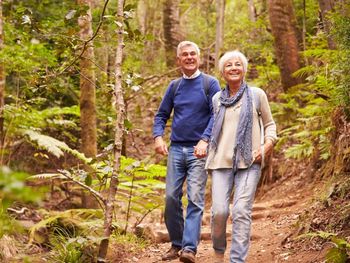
(183, 165)
(244, 184)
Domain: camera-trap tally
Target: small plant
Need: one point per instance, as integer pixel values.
(340, 251)
(73, 249)
(13, 188)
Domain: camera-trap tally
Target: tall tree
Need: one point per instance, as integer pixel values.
(283, 27)
(87, 84)
(149, 15)
(2, 87)
(251, 10)
(119, 131)
(171, 28)
(220, 18)
(326, 6)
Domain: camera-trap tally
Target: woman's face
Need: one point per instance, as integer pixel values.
(233, 71)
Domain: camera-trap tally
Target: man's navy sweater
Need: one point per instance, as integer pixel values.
(193, 114)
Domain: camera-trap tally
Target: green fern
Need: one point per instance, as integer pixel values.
(54, 146)
(46, 176)
(69, 220)
(336, 254)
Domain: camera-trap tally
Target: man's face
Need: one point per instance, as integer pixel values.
(188, 60)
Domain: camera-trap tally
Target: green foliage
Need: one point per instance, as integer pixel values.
(311, 15)
(340, 251)
(307, 109)
(341, 32)
(69, 223)
(7, 224)
(26, 117)
(73, 250)
(54, 146)
(25, 121)
(139, 185)
(72, 235)
(13, 188)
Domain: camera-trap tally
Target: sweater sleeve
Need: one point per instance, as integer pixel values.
(213, 89)
(266, 115)
(164, 112)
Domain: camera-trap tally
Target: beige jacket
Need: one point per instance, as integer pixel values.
(222, 158)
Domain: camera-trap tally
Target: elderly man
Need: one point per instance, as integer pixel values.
(191, 99)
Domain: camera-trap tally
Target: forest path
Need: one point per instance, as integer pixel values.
(274, 217)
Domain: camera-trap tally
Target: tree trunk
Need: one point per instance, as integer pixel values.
(119, 130)
(2, 89)
(327, 6)
(220, 18)
(283, 27)
(251, 10)
(87, 86)
(171, 27)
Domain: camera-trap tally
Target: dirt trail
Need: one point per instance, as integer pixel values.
(274, 216)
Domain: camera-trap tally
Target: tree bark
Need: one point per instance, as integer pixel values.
(148, 16)
(327, 6)
(2, 89)
(251, 10)
(119, 130)
(283, 27)
(220, 18)
(171, 28)
(87, 86)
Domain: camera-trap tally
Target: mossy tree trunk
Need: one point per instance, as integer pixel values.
(2, 88)
(252, 11)
(171, 27)
(326, 6)
(87, 85)
(219, 38)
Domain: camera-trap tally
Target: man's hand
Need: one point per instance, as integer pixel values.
(160, 146)
(200, 150)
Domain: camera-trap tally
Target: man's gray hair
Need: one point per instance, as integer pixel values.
(230, 55)
(186, 43)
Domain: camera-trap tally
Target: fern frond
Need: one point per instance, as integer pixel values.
(55, 146)
(48, 143)
(304, 72)
(47, 176)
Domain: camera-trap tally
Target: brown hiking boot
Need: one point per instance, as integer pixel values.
(171, 254)
(188, 256)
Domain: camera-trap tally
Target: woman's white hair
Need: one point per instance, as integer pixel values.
(186, 43)
(230, 55)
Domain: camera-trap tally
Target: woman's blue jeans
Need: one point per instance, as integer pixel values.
(182, 166)
(244, 183)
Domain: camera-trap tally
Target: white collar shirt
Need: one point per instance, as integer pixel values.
(193, 76)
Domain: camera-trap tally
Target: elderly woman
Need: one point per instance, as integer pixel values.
(243, 133)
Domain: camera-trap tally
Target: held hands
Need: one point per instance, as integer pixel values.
(160, 146)
(200, 150)
(267, 150)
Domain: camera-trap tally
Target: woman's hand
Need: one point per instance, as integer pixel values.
(268, 146)
(200, 150)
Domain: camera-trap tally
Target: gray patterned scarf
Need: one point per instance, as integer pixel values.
(243, 147)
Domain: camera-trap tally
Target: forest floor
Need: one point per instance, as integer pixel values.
(276, 214)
